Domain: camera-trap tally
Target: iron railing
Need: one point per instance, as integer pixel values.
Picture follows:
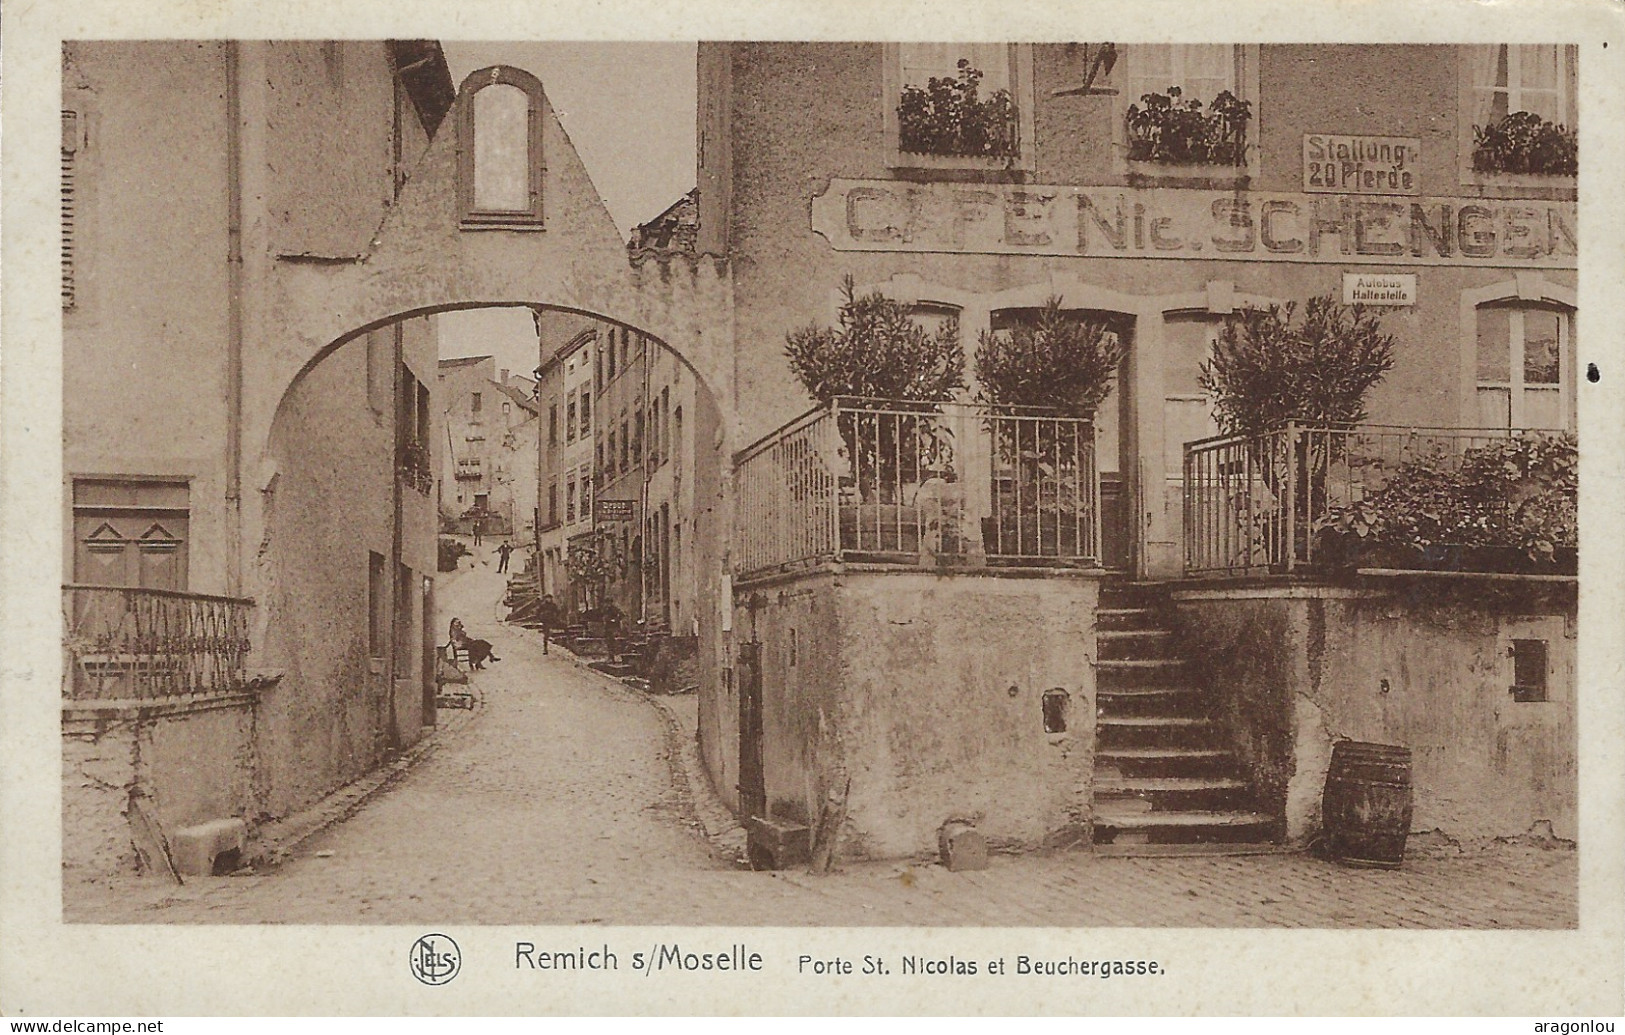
(126, 643)
(952, 484)
(1254, 504)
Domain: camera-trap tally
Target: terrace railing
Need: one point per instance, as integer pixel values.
(125, 643)
(951, 484)
(1253, 505)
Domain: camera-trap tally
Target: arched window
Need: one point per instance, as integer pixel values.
(499, 162)
(1525, 366)
(1518, 354)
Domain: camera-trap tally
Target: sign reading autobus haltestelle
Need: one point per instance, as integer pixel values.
(1335, 163)
(1163, 223)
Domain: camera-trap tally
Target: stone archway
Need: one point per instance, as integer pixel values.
(427, 259)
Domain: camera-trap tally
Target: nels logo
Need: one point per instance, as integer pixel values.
(435, 959)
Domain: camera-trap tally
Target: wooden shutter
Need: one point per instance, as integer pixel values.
(70, 203)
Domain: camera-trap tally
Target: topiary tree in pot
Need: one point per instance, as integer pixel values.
(1271, 366)
(1055, 360)
(1063, 365)
(878, 352)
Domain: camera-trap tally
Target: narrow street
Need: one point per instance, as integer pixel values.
(557, 801)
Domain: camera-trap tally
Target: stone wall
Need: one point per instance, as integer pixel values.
(924, 691)
(177, 763)
(1418, 661)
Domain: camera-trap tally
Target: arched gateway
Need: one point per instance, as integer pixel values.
(499, 212)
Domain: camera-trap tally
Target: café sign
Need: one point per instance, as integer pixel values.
(1338, 164)
(1164, 223)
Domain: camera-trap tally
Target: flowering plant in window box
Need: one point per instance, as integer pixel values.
(1523, 142)
(947, 117)
(1165, 128)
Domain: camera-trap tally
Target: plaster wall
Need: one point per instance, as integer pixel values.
(1418, 664)
(328, 201)
(327, 721)
(887, 679)
(144, 346)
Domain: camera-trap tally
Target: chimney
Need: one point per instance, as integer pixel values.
(503, 380)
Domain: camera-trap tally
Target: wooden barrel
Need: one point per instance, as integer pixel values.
(1366, 810)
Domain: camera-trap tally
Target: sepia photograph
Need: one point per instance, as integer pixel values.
(810, 484)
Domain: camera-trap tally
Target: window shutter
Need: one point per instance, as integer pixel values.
(70, 204)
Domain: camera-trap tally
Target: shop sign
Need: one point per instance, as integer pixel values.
(1396, 289)
(1339, 164)
(1168, 223)
(612, 510)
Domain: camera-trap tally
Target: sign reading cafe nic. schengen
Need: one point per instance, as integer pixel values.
(1162, 223)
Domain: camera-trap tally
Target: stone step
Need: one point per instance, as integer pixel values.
(1136, 819)
(1161, 754)
(1134, 644)
(1140, 664)
(1156, 784)
(1148, 690)
(1134, 635)
(1126, 618)
(1156, 721)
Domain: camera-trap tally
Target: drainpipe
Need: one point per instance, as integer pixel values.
(643, 488)
(396, 398)
(234, 322)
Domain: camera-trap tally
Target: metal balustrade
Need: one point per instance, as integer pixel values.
(1254, 505)
(125, 643)
(949, 484)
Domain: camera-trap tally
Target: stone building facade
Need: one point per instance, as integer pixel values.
(288, 524)
(1356, 173)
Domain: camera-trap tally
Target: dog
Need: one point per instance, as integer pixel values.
(479, 652)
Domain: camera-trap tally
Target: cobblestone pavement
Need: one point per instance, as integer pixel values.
(561, 801)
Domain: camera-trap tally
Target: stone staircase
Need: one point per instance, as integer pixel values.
(1164, 772)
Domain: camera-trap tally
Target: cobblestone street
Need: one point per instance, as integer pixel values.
(561, 800)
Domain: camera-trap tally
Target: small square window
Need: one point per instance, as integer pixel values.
(1529, 668)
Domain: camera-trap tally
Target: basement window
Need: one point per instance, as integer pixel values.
(1056, 705)
(1529, 667)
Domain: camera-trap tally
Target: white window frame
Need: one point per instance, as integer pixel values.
(1527, 291)
(1245, 79)
(1495, 184)
(1021, 91)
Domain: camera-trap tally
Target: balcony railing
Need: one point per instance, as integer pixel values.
(124, 643)
(1260, 505)
(954, 485)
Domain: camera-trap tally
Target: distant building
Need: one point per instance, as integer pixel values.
(564, 397)
(490, 449)
(675, 229)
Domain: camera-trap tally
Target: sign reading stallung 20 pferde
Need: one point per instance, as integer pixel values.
(1162, 223)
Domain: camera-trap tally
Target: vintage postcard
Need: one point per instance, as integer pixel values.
(1083, 510)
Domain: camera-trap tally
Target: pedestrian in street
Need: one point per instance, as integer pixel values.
(479, 526)
(549, 615)
(503, 553)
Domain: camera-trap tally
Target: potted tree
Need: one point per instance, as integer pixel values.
(893, 373)
(1272, 366)
(1053, 364)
